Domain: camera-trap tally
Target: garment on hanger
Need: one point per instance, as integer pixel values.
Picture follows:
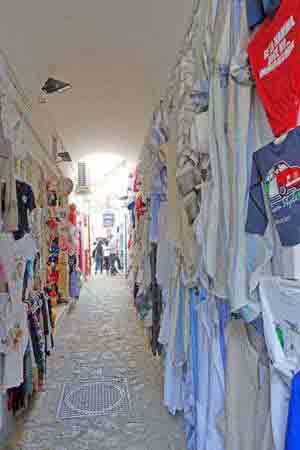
(275, 168)
(274, 58)
(211, 382)
(246, 423)
(26, 247)
(26, 204)
(38, 344)
(63, 274)
(218, 43)
(14, 358)
(191, 376)
(193, 165)
(8, 196)
(280, 301)
(200, 95)
(239, 158)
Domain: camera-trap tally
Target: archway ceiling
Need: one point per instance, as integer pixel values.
(115, 53)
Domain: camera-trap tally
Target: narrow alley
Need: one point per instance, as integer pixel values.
(101, 341)
(150, 225)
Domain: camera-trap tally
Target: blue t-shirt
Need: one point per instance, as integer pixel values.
(258, 10)
(276, 167)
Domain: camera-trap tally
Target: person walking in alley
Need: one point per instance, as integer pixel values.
(98, 257)
(106, 254)
(112, 255)
(115, 263)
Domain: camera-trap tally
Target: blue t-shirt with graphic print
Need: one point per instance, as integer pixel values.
(276, 169)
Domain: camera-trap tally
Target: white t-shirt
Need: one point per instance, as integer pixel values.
(26, 247)
(113, 246)
(106, 251)
(14, 354)
(13, 256)
(280, 300)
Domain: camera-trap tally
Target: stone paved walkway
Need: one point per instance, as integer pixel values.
(101, 338)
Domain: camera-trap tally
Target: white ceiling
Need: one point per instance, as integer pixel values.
(116, 54)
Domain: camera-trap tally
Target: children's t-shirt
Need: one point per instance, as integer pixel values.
(274, 55)
(276, 167)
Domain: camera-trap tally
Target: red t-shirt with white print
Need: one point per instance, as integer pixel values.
(274, 54)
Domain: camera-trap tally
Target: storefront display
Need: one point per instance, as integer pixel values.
(38, 263)
(62, 258)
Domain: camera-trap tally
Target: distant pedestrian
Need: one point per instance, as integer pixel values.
(98, 256)
(106, 254)
(112, 254)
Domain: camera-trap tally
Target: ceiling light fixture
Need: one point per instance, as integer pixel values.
(53, 86)
(64, 157)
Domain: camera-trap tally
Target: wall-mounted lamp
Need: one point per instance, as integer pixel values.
(64, 157)
(53, 86)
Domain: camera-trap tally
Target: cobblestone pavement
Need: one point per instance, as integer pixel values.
(100, 338)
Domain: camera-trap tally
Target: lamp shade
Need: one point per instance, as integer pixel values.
(52, 86)
(65, 156)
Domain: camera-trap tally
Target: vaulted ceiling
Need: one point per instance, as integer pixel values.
(115, 53)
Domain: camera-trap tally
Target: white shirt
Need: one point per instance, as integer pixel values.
(280, 300)
(106, 251)
(247, 421)
(112, 246)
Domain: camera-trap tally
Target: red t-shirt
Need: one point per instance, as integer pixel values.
(274, 55)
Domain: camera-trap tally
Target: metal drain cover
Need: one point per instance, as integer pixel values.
(105, 397)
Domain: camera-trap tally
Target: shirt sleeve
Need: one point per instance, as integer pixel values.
(257, 219)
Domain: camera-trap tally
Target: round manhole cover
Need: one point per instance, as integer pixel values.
(96, 398)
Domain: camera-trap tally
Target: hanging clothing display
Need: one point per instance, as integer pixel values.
(26, 204)
(280, 306)
(33, 239)
(213, 235)
(274, 58)
(217, 195)
(63, 245)
(247, 422)
(63, 274)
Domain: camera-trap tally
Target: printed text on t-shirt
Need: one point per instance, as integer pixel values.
(279, 48)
